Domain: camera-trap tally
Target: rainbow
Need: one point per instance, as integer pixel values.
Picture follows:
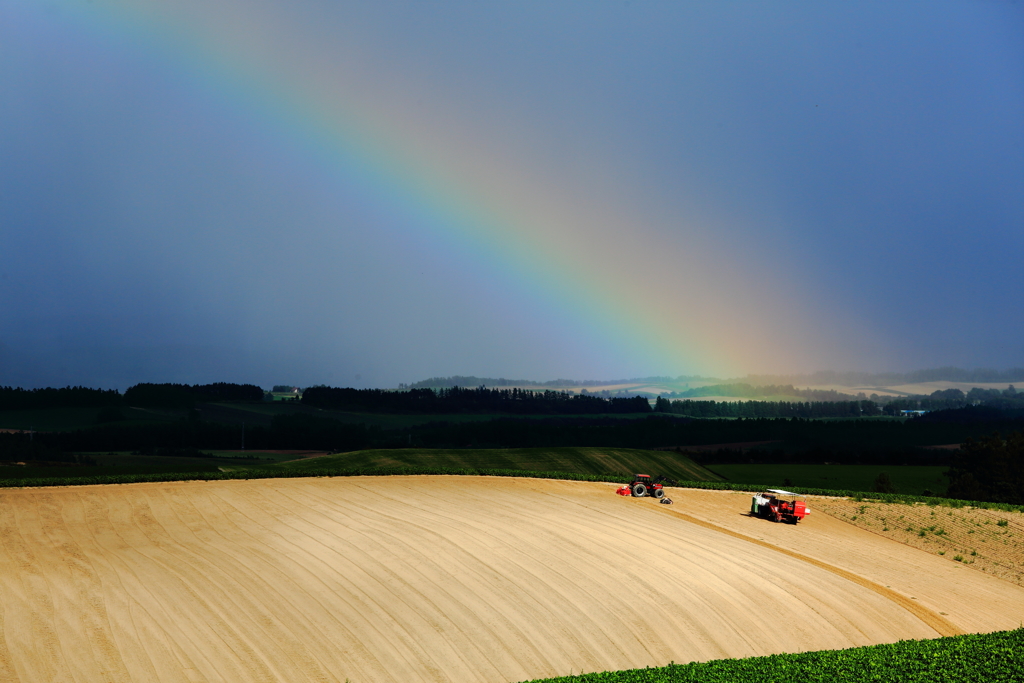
(653, 293)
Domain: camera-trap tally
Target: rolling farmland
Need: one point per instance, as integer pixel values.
(436, 578)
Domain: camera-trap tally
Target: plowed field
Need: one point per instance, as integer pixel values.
(444, 579)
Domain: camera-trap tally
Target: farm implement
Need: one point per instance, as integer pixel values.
(643, 485)
(779, 506)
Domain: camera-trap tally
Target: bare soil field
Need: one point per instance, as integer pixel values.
(444, 579)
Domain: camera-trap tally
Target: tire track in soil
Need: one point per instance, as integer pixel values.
(942, 626)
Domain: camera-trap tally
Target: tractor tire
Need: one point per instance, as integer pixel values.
(658, 493)
(639, 490)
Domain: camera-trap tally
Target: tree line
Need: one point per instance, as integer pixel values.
(471, 380)
(1008, 399)
(142, 395)
(16, 398)
(467, 400)
(186, 396)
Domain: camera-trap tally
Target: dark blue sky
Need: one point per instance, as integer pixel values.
(374, 193)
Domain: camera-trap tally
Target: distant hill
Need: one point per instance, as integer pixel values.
(856, 379)
(823, 377)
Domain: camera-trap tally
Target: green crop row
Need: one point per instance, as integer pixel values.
(388, 471)
(989, 658)
(292, 474)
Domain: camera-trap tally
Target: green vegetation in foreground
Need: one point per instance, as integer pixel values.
(915, 479)
(985, 658)
(620, 461)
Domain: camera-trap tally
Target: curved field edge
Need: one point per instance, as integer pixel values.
(611, 477)
(984, 657)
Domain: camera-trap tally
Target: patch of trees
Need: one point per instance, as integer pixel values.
(142, 395)
(463, 400)
(755, 409)
(990, 468)
(16, 398)
(831, 406)
(173, 396)
(471, 381)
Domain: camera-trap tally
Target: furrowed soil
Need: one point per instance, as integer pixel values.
(431, 578)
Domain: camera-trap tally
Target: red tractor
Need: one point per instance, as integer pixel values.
(642, 485)
(779, 506)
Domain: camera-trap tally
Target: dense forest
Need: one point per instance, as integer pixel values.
(186, 396)
(16, 398)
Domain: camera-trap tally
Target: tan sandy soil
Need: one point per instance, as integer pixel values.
(443, 579)
(991, 541)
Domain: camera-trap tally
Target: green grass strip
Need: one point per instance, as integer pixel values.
(989, 658)
(256, 473)
(293, 474)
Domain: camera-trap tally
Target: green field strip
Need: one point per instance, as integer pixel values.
(974, 658)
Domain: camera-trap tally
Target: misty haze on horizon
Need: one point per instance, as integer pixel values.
(369, 195)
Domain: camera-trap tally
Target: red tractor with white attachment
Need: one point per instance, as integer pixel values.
(779, 506)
